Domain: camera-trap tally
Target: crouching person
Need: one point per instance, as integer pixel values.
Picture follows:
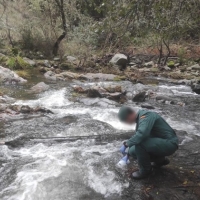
(153, 140)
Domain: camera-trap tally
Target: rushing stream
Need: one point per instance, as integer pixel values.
(47, 166)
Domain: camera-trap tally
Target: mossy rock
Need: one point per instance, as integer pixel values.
(171, 64)
(119, 78)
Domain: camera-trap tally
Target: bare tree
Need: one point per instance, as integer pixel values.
(60, 6)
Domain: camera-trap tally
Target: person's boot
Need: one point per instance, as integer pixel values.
(141, 175)
(166, 161)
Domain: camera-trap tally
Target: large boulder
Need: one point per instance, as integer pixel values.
(120, 60)
(71, 58)
(50, 76)
(46, 63)
(9, 77)
(67, 75)
(93, 93)
(140, 97)
(40, 87)
(29, 61)
(114, 93)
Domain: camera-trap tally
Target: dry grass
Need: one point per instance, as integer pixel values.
(26, 74)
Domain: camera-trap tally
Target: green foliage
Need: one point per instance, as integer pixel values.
(99, 24)
(171, 64)
(181, 55)
(26, 74)
(14, 51)
(119, 78)
(17, 63)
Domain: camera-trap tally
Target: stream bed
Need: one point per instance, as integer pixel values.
(72, 154)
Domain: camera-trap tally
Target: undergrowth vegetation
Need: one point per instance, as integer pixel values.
(82, 28)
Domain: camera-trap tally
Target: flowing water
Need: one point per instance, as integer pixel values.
(48, 166)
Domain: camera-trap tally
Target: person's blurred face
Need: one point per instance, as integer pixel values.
(131, 118)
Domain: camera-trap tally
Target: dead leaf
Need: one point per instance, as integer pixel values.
(185, 183)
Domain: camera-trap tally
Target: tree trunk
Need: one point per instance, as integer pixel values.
(60, 5)
(169, 51)
(57, 43)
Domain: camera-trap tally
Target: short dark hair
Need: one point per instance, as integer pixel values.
(124, 112)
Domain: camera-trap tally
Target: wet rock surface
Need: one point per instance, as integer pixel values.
(9, 77)
(78, 137)
(67, 75)
(120, 59)
(40, 87)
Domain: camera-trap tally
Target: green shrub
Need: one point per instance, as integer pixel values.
(17, 63)
(171, 64)
(181, 55)
(37, 41)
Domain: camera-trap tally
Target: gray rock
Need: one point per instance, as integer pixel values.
(40, 87)
(50, 76)
(71, 58)
(177, 64)
(120, 60)
(3, 107)
(89, 76)
(163, 99)
(56, 59)
(93, 93)
(67, 75)
(98, 76)
(9, 77)
(140, 97)
(102, 102)
(196, 88)
(167, 68)
(25, 109)
(6, 99)
(29, 61)
(195, 67)
(185, 82)
(148, 106)
(132, 64)
(47, 64)
(149, 64)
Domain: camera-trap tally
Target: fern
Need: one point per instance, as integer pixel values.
(11, 63)
(17, 63)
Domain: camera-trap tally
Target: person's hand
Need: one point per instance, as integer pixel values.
(123, 148)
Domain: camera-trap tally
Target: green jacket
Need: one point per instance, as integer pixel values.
(150, 124)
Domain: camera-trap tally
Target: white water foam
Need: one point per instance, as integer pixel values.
(48, 99)
(108, 115)
(188, 127)
(59, 160)
(180, 89)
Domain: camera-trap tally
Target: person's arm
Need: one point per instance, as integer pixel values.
(145, 126)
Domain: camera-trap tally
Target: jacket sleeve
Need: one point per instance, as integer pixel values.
(145, 126)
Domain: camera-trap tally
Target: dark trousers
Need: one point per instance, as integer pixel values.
(152, 150)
